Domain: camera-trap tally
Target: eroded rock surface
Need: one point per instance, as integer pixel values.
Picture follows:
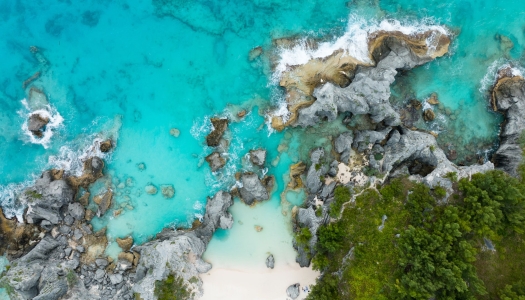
(219, 127)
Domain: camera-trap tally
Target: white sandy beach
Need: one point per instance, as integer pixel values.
(256, 283)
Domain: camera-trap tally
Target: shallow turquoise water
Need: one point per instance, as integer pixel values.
(172, 64)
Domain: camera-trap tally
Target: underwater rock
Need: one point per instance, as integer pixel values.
(104, 202)
(174, 132)
(241, 114)
(84, 199)
(252, 189)
(433, 100)
(429, 115)
(258, 228)
(30, 80)
(258, 157)
(270, 261)
(219, 127)
(151, 189)
(505, 43)
(167, 191)
(324, 87)
(255, 52)
(216, 161)
(508, 98)
(125, 243)
(296, 170)
(36, 124)
(416, 104)
(106, 146)
(293, 291)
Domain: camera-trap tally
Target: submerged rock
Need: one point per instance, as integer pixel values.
(433, 100)
(219, 127)
(151, 189)
(167, 191)
(508, 98)
(104, 202)
(125, 243)
(216, 161)
(36, 124)
(252, 189)
(174, 132)
(258, 157)
(296, 170)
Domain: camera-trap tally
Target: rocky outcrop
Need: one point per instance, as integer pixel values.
(179, 252)
(16, 239)
(323, 88)
(316, 170)
(270, 261)
(93, 168)
(36, 124)
(219, 127)
(343, 145)
(125, 243)
(508, 98)
(252, 189)
(106, 146)
(296, 170)
(216, 161)
(293, 291)
(429, 115)
(103, 201)
(258, 157)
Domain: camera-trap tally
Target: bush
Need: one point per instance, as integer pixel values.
(303, 236)
(342, 194)
(172, 288)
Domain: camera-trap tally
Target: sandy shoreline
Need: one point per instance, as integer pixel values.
(255, 283)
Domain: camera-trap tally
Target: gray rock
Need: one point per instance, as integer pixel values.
(258, 157)
(293, 291)
(76, 210)
(509, 99)
(99, 274)
(343, 145)
(67, 251)
(216, 216)
(367, 138)
(252, 189)
(216, 161)
(115, 278)
(36, 124)
(101, 262)
(316, 170)
(270, 261)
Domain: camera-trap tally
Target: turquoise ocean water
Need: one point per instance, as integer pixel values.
(145, 67)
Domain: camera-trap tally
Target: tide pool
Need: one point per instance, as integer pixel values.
(139, 69)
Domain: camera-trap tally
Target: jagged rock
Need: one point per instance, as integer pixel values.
(115, 279)
(180, 252)
(36, 124)
(219, 127)
(252, 189)
(76, 210)
(296, 170)
(258, 157)
(125, 243)
(104, 202)
(293, 291)
(313, 177)
(92, 171)
(270, 261)
(429, 115)
(365, 139)
(216, 161)
(106, 146)
(16, 238)
(339, 86)
(167, 191)
(508, 97)
(343, 145)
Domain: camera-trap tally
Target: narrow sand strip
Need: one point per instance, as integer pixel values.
(256, 283)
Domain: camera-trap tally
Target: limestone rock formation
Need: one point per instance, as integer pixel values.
(258, 157)
(219, 127)
(216, 161)
(508, 98)
(36, 124)
(252, 189)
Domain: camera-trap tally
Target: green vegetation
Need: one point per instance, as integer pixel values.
(427, 249)
(172, 288)
(342, 194)
(304, 236)
(33, 194)
(453, 176)
(71, 277)
(378, 156)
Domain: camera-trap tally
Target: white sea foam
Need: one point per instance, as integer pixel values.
(8, 199)
(55, 121)
(354, 42)
(201, 127)
(491, 76)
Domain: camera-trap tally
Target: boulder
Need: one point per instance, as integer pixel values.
(252, 189)
(216, 161)
(104, 202)
(36, 124)
(76, 210)
(219, 127)
(125, 243)
(270, 261)
(258, 157)
(293, 291)
(150, 189)
(106, 146)
(429, 115)
(343, 146)
(296, 170)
